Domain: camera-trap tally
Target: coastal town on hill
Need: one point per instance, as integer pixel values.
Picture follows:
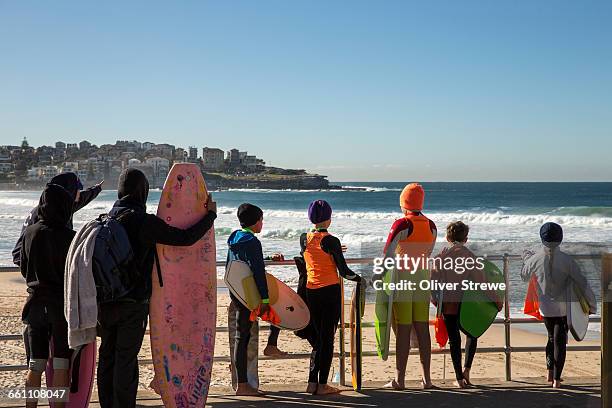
(28, 167)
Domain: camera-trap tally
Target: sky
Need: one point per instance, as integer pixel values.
(357, 90)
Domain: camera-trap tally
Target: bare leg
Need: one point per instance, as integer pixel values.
(466, 376)
(324, 389)
(244, 389)
(155, 381)
(422, 332)
(312, 387)
(60, 380)
(33, 380)
(402, 350)
(274, 351)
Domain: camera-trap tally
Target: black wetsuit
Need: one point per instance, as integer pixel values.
(325, 306)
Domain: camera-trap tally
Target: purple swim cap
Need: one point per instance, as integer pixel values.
(319, 211)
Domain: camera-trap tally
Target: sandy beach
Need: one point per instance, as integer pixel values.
(486, 365)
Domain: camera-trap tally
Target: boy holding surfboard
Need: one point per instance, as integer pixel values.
(324, 260)
(243, 245)
(556, 272)
(449, 301)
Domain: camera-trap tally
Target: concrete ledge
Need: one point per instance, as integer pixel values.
(527, 393)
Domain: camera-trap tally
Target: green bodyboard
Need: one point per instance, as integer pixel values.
(477, 312)
(383, 312)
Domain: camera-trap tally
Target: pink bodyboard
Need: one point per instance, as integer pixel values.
(183, 312)
(87, 370)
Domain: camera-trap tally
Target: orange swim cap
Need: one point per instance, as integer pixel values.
(412, 197)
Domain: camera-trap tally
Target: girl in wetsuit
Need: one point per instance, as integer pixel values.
(324, 260)
(413, 236)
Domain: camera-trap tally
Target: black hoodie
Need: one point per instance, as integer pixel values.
(72, 184)
(145, 230)
(45, 245)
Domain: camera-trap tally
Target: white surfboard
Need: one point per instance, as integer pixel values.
(577, 316)
(288, 305)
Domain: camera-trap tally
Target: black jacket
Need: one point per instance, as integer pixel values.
(45, 247)
(145, 230)
(85, 198)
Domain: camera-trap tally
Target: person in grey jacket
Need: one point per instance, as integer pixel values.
(554, 271)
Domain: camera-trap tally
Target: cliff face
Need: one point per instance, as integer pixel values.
(280, 182)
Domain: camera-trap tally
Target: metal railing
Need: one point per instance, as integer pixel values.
(507, 321)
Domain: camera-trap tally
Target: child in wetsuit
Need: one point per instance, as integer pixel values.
(243, 245)
(457, 236)
(324, 259)
(412, 236)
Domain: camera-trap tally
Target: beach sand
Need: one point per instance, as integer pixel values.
(486, 365)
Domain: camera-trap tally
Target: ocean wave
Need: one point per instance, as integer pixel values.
(370, 189)
(500, 218)
(269, 190)
(20, 217)
(282, 233)
(223, 231)
(19, 202)
(496, 218)
(602, 212)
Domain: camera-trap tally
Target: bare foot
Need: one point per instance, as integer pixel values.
(460, 384)
(274, 351)
(466, 376)
(557, 384)
(427, 385)
(550, 377)
(395, 386)
(324, 389)
(312, 387)
(244, 389)
(154, 386)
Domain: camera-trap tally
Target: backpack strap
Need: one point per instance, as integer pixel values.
(159, 273)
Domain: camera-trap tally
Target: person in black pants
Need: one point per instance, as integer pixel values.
(556, 346)
(454, 339)
(553, 272)
(243, 245)
(324, 259)
(43, 253)
(458, 254)
(122, 324)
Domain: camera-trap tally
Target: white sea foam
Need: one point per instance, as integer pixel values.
(370, 189)
(495, 218)
(18, 202)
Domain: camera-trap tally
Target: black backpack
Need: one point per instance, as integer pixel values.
(115, 268)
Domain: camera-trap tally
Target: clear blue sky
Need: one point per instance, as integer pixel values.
(358, 90)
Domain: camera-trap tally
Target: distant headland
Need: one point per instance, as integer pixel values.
(25, 167)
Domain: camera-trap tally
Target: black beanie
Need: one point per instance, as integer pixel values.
(551, 234)
(133, 183)
(249, 214)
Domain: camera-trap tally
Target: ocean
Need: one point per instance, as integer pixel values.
(503, 217)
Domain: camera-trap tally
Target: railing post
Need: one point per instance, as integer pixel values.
(507, 348)
(606, 330)
(341, 336)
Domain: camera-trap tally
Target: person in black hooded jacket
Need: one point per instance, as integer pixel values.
(122, 324)
(44, 250)
(80, 199)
